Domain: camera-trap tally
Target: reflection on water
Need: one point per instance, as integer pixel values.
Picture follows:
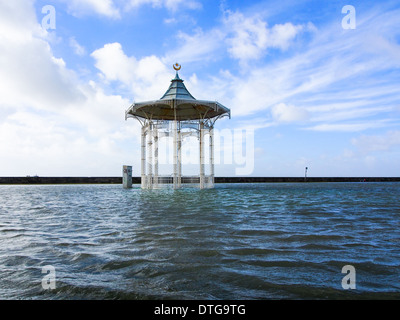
(237, 241)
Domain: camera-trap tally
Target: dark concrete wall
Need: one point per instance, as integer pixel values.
(60, 180)
(302, 179)
(136, 180)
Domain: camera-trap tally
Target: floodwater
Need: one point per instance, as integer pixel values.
(237, 241)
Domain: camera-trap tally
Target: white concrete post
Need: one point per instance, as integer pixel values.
(127, 177)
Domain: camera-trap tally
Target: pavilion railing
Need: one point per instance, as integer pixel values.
(162, 181)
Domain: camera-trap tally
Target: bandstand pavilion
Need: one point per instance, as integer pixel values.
(178, 114)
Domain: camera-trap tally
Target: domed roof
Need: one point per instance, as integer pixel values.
(177, 104)
(177, 90)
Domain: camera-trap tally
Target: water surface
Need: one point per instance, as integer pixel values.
(237, 241)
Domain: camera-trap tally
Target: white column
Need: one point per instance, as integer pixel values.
(156, 156)
(175, 154)
(201, 154)
(143, 160)
(150, 157)
(179, 159)
(212, 156)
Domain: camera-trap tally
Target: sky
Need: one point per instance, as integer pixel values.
(309, 83)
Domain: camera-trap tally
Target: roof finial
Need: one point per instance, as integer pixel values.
(177, 67)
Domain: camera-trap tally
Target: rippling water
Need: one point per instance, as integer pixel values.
(237, 241)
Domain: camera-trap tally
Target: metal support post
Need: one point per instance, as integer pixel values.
(175, 154)
(143, 160)
(150, 157)
(212, 157)
(201, 154)
(156, 157)
(179, 183)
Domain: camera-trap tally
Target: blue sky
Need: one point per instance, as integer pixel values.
(314, 94)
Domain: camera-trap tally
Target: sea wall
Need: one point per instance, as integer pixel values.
(136, 180)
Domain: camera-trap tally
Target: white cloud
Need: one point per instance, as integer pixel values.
(281, 35)
(114, 64)
(199, 46)
(105, 8)
(347, 111)
(38, 78)
(170, 20)
(172, 5)
(242, 37)
(46, 145)
(248, 38)
(146, 77)
(371, 143)
(18, 22)
(334, 79)
(50, 120)
(99, 114)
(114, 9)
(78, 49)
(288, 113)
(348, 127)
(251, 36)
(29, 72)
